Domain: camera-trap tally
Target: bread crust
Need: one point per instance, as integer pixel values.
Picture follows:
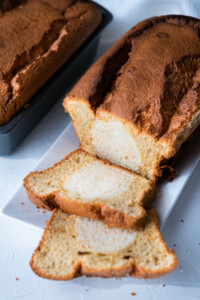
(131, 268)
(73, 25)
(141, 272)
(112, 97)
(97, 211)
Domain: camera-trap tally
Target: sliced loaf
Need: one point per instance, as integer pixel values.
(141, 100)
(72, 246)
(83, 185)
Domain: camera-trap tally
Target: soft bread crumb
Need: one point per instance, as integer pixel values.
(106, 136)
(63, 255)
(96, 236)
(86, 186)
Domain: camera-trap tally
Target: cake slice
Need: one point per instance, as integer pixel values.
(141, 100)
(83, 185)
(72, 246)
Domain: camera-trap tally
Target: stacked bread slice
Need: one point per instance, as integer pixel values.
(99, 226)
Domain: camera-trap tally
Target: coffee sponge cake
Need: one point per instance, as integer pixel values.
(141, 100)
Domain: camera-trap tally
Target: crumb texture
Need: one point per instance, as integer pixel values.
(95, 236)
(73, 246)
(96, 180)
(87, 186)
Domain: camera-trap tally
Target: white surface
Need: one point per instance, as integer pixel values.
(167, 195)
(17, 241)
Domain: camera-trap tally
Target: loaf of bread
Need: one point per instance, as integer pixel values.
(141, 100)
(73, 246)
(36, 38)
(83, 185)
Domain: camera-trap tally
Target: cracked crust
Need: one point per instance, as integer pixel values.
(131, 267)
(149, 82)
(43, 35)
(98, 210)
(106, 86)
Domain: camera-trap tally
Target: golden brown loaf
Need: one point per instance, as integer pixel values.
(139, 102)
(73, 246)
(83, 185)
(36, 38)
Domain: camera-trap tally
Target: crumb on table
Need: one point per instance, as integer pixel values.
(133, 294)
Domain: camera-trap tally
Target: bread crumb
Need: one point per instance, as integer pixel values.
(43, 212)
(17, 278)
(133, 294)
(164, 285)
(182, 221)
(22, 203)
(174, 245)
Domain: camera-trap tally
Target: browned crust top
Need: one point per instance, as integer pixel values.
(36, 38)
(150, 76)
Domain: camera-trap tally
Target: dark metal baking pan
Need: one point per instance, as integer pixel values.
(28, 117)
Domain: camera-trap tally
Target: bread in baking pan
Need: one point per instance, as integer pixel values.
(72, 246)
(86, 186)
(36, 38)
(141, 100)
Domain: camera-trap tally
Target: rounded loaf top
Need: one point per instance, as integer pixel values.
(150, 77)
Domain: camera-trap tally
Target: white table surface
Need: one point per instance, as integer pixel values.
(17, 241)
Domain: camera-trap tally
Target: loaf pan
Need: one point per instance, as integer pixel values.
(28, 117)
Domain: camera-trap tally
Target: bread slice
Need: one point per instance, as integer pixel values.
(72, 246)
(86, 186)
(140, 101)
